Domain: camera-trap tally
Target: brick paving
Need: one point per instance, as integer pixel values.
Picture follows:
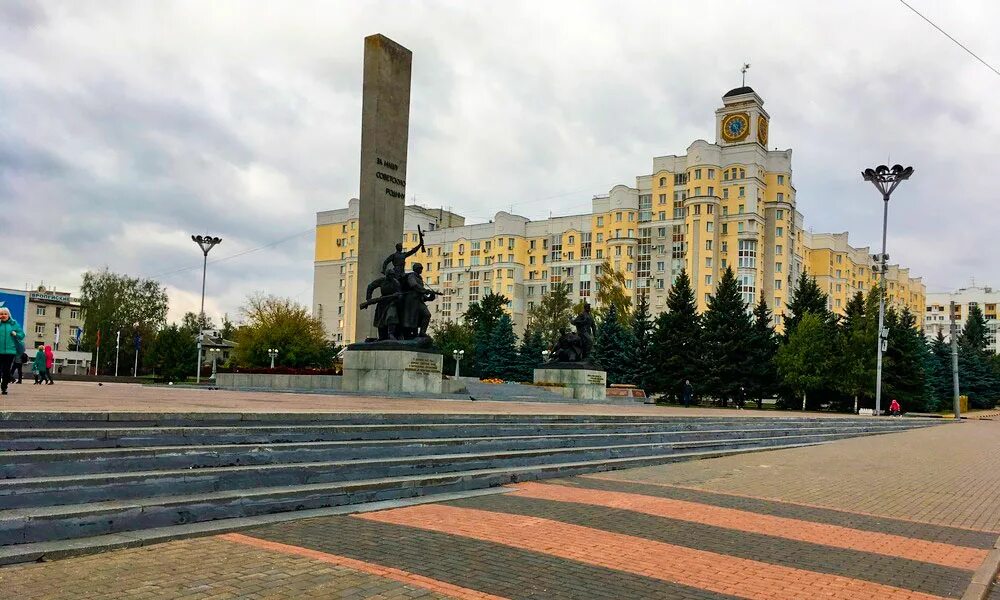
(207, 568)
(903, 515)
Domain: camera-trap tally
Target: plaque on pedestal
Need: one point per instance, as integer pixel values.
(587, 381)
(392, 368)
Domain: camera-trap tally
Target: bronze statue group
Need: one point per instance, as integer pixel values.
(401, 311)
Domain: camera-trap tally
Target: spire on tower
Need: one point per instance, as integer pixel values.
(746, 67)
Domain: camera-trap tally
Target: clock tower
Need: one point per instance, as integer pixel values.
(742, 119)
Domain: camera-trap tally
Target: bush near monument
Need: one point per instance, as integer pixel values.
(281, 323)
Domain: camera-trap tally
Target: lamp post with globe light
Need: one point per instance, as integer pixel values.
(457, 355)
(206, 243)
(273, 353)
(885, 180)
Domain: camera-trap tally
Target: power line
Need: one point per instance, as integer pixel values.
(960, 44)
(232, 256)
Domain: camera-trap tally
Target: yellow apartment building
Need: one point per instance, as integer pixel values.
(730, 203)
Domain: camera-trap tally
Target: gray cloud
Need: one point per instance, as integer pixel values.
(126, 127)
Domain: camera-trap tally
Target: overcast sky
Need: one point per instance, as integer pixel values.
(125, 127)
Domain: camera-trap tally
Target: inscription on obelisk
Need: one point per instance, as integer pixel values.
(385, 123)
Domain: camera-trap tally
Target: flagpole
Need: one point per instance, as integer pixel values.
(118, 340)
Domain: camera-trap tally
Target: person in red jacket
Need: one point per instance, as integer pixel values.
(50, 361)
(894, 408)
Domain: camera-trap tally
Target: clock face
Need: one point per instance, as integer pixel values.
(762, 131)
(735, 127)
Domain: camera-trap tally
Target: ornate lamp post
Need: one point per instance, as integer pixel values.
(215, 356)
(885, 180)
(206, 243)
(273, 353)
(457, 355)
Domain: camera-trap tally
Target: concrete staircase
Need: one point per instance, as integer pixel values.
(73, 483)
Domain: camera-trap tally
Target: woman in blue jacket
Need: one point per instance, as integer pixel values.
(11, 346)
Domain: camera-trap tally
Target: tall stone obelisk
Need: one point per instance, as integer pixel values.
(385, 124)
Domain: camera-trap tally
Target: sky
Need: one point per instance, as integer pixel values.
(126, 127)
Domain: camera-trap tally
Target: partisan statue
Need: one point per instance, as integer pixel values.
(575, 346)
(401, 311)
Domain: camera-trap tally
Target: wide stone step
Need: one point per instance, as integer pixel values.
(12, 439)
(44, 463)
(47, 491)
(37, 524)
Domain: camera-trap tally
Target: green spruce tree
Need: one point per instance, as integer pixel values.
(975, 366)
(501, 360)
(855, 343)
(903, 374)
(727, 335)
(481, 317)
(529, 355)
(614, 348)
(763, 349)
(677, 349)
(939, 373)
(806, 298)
(642, 333)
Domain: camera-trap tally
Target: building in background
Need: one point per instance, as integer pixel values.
(936, 318)
(53, 318)
(730, 203)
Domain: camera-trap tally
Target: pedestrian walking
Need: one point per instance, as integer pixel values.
(894, 409)
(17, 371)
(741, 398)
(11, 347)
(50, 363)
(41, 372)
(688, 397)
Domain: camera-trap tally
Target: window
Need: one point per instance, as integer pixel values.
(708, 280)
(600, 238)
(741, 208)
(739, 227)
(781, 197)
(661, 216)
(584, 289)
(618, 233)
(618, 216)
(531, 260)
(461, 248)
(780, 232)
(725, 193)
(725, 228)
(708, 244)
(599, 254)
(743, 173)
(711, 191)
(663, 182)
(708, 262)
(747, 287)
(711, 173)
(680, 179)
(777, 267)
(40, 311)
(697, 173)
(697, 209)
(709, 226)
(461, 262)
(40, 328)
(743, 192)
(697, 191)
(660, 265)
(781, 180)
(777, 284)
(777, 250)
(631, 216)
(710, 209)
(779, 214)
(663, 198)
(747, 254)
(600, 221)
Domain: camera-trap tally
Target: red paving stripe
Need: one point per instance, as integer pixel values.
(399, 575)
(793, 529)
(665, 562)
(789, 502)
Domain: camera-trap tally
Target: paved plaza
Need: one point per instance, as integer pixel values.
(902, 515)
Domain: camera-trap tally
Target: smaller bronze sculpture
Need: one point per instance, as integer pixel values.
(568, 348)
(586, 328)
(401, 311)
(415, 316)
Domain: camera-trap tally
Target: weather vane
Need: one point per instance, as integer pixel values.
(746, 67)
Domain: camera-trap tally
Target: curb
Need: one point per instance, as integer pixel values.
(983, 578)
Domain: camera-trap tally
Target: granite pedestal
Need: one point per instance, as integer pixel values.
(391, 369)
(587, 381)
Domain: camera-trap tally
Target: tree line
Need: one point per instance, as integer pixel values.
(137, 307)
(732, 352)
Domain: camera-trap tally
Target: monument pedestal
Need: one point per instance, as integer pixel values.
(586, 380)
(392, 369)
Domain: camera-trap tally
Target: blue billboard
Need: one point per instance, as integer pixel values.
(17, 302)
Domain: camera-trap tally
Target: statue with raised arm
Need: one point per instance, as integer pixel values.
(415, 316)
(386, 305)
(586, 328)
(398, 258)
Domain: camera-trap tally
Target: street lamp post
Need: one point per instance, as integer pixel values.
(885, 180)
(206, 243)
(457, 354)
(215, 356)
(273, 353)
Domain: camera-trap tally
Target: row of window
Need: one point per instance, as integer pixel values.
(41, 328)
(41, 310)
